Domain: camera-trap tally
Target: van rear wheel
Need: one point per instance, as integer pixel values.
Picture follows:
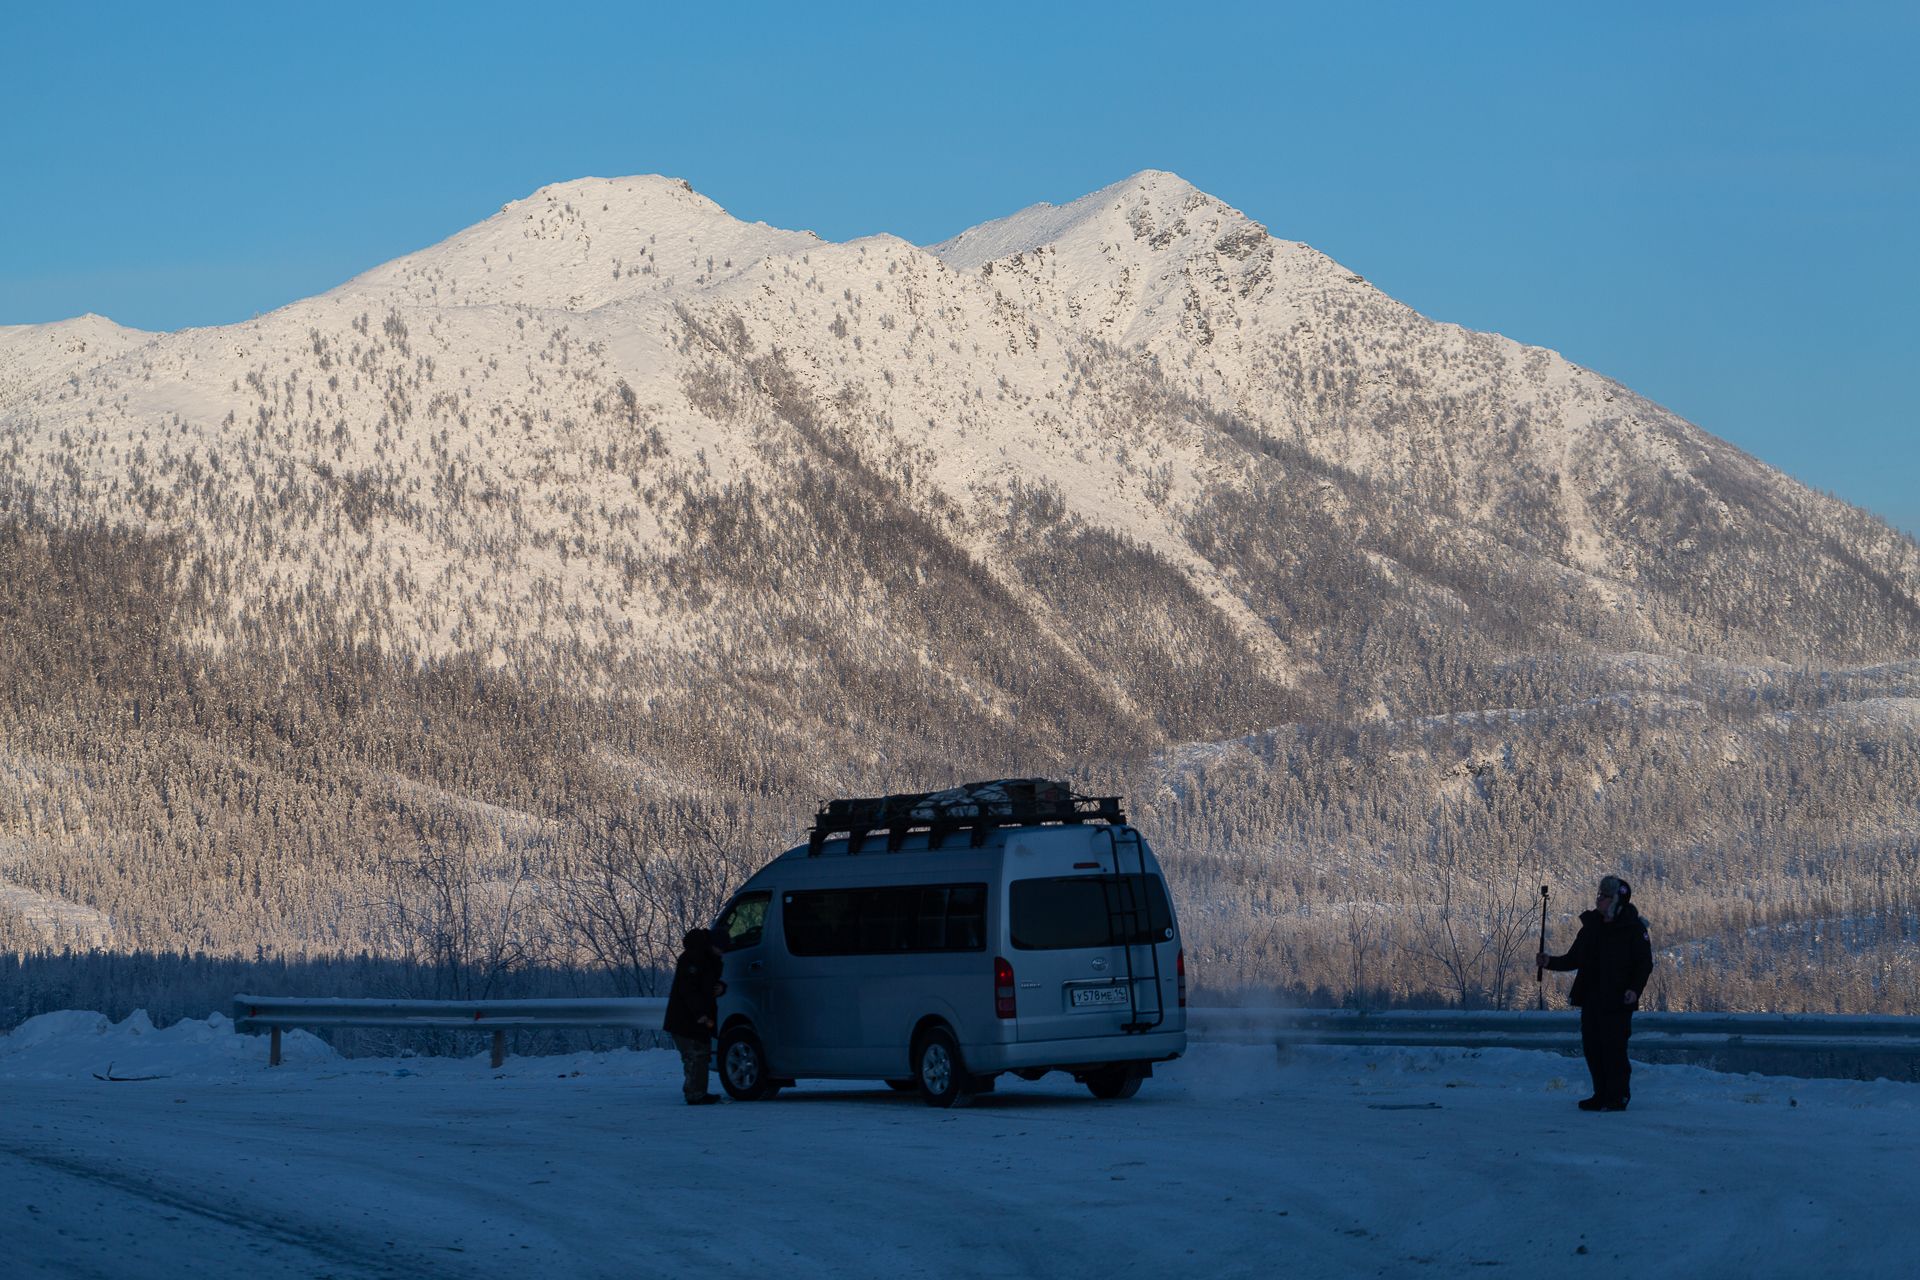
(1115, 1082)
(939, 1070)
(743, 1066)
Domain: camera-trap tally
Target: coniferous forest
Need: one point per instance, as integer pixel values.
(180, 825)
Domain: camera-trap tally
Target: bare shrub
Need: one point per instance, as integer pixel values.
(631, 882)
(470, 925)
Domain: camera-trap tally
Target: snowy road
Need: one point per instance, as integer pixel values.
(1233, 1162)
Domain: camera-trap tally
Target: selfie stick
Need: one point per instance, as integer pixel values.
(1539, 971)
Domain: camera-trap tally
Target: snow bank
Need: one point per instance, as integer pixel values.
(74, 1043)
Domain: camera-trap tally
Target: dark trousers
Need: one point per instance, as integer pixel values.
(1603, 1036)
(694, 1056)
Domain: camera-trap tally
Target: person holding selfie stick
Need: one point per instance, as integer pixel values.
(1614, 957)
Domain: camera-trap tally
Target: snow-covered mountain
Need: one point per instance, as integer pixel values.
(534, 387)
(475, 447)
(1083, 484)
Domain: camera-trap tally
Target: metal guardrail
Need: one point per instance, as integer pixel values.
(1847, 1045)
(278, 1013)
(1790, 1043)
(1528, 1029)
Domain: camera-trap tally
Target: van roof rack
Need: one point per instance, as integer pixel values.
(975, 807)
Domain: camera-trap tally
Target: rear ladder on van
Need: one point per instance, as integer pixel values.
(1128, 918)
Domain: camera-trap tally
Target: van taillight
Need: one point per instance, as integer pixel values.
(1003, 1005)
(1180, 968)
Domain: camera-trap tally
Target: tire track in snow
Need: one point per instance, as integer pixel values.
(323, 1245)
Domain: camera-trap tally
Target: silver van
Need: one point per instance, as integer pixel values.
(939, 940)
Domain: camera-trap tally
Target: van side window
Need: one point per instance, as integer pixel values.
(1068, 912)
(885, 920)
(741, 923)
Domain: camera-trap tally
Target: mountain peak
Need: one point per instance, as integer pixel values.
(1152, 182)
(1146, 255)
(32, 353)
(633, 192)
(581, 244)
(1152, 205)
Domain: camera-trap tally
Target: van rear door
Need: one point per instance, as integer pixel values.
(1073, 937)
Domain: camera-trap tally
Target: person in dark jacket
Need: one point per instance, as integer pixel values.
(693, 1003)
(1614, 958)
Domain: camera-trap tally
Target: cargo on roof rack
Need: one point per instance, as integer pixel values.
(975, 807)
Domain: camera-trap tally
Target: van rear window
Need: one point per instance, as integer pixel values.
(885, 919)
(1067, 912)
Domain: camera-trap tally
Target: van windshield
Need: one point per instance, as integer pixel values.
(740, 924)
(1066, 912)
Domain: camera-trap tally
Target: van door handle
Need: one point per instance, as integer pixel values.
(756, 966)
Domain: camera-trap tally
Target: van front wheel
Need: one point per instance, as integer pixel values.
(938, 1069)
(743, 1066)
(1115, 1082)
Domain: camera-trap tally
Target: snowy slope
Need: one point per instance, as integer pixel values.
(1230, 1162)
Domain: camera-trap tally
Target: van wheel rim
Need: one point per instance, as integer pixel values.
(936, 1068)
(742, 1069)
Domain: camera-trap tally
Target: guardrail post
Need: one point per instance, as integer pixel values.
(499, 1048)
(273, 1053)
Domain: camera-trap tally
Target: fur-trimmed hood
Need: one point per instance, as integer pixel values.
(1627, 917)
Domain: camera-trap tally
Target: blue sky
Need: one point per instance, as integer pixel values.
(1718, 204)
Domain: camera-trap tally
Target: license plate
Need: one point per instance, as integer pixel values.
(1099, 997)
